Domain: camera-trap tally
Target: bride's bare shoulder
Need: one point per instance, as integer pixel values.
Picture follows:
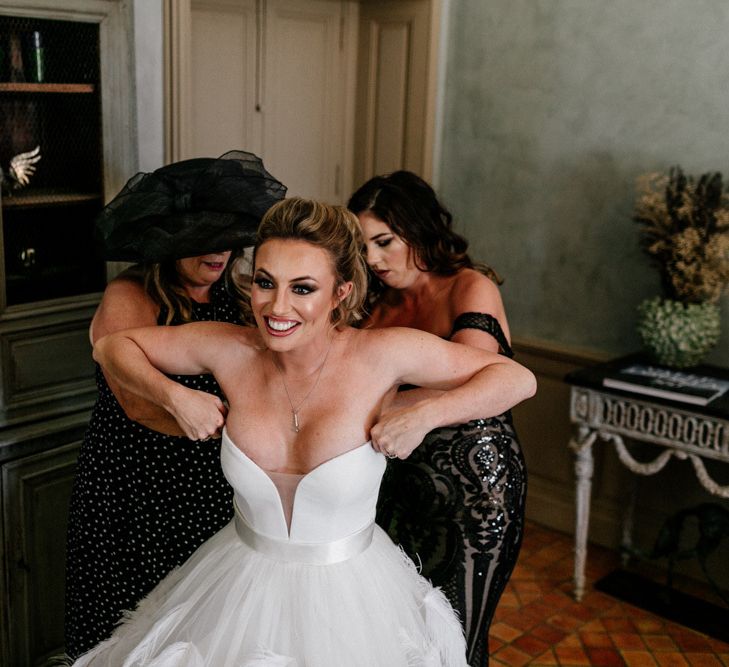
(249, 337)
(224, 335)
(388, 339)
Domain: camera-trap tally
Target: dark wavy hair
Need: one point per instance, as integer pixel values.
(410, 208)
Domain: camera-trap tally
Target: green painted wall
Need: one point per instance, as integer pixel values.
(552, 108)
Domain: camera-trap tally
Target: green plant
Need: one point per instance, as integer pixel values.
(678, 334)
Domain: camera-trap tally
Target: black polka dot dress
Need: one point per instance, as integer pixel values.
(142, 502)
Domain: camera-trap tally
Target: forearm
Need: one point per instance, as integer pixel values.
(490, 392)
(156, 419)
(163, 423)
(143, 412)
(127, 365)
(408, 398)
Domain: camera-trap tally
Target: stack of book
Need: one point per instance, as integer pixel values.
(666, 383)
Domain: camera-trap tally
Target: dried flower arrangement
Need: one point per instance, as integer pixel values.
(685, 230)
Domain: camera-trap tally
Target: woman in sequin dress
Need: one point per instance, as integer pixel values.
(145, 496)
(456, 505)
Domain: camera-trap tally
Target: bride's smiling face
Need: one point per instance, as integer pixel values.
(294, 292)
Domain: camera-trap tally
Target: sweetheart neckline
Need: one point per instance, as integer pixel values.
(302, 481)
(226, 437)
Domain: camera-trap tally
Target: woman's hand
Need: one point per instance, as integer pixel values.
(200, 415)
(399, 432)
(141, 360)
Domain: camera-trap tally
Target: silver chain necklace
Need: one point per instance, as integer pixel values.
(295, 424)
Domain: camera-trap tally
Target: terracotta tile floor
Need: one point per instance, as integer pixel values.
(539, 623)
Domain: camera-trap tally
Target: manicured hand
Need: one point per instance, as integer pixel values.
(399, 432)
(200, 415)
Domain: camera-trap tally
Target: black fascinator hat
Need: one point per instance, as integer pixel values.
(188, 208)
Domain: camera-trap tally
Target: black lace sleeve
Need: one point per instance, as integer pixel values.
(483, 322)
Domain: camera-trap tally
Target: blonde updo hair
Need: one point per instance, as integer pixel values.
(332, 228)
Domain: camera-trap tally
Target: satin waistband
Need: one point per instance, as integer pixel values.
(325, 553)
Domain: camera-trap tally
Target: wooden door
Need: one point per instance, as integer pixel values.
(303, 95)
(271, 77)
(225, 80)
(395, 76)
(327, 92)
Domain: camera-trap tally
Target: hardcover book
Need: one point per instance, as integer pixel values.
(668, 384)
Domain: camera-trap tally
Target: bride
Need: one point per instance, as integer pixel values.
(302, 576)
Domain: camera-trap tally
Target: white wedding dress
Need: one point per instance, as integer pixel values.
(302, 577)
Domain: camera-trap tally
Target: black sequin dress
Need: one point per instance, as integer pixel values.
(142, 502)
(456, 506)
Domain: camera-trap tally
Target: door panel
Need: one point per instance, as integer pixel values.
(36, 490)
(303, 95)
(270, 77)
(327, 92)
(223, 74)
(390, 95)
(392, 87)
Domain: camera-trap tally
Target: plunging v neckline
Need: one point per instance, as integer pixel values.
(302, 476)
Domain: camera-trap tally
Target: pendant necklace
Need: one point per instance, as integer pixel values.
(295, 424)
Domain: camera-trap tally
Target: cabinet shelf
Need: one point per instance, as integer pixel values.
(20, 87)
(48, 197)
(77, 272)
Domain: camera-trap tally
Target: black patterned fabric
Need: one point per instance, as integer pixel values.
(456, 506)
(142, 503)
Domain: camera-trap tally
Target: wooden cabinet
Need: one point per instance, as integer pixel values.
(36, 489)
(50, 103)
(74, 99)
(78, 107)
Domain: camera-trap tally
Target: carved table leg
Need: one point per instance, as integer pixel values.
(582, 447)
(627, 540)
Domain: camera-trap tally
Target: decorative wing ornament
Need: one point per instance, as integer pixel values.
(22, 167)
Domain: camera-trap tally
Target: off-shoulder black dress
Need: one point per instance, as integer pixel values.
(142, 503)
(456, 505)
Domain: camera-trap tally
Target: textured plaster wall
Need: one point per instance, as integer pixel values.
(552, 108)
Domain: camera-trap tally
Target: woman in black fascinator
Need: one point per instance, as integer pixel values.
(146, 496)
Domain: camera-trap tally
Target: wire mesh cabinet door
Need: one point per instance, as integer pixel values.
(67, 144)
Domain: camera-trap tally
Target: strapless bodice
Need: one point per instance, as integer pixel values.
(333, 501)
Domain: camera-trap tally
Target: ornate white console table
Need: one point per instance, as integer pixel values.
(679, 429)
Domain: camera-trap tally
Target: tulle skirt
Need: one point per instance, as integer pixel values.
(231, 605)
